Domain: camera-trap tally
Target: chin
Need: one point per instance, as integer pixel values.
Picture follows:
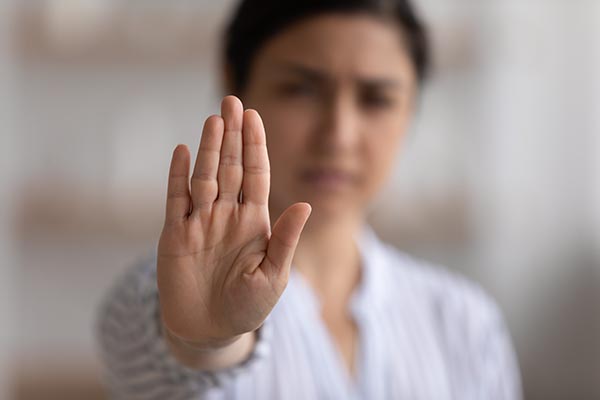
(327, 206)
(333, 209)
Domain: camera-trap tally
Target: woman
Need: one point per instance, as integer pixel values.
(335, 83)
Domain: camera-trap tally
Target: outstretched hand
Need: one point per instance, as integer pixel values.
(221, 268)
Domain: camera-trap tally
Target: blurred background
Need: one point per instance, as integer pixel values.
(499, 179)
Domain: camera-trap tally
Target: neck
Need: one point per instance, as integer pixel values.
(328, 258)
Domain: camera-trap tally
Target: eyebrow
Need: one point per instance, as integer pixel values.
(318, 76)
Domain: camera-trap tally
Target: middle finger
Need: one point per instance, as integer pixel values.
(231, 171)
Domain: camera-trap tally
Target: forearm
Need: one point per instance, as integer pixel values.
(210, 358)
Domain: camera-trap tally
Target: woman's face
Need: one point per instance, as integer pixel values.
(336, 94)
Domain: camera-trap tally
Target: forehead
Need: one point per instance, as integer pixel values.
(341, 45)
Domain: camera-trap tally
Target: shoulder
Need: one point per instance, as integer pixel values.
(445, 295)
(464, 320)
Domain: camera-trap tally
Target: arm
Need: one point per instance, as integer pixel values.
(220, 268)
(134, 350)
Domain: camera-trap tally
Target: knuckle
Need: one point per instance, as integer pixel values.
(177, 194)
(230, 160)
(228, 194)
(203, 176)
(203, 204)
(256, 170)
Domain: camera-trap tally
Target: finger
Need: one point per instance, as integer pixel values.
(230, 163)
(204, 179)
(284, 239)
(178, 193)
(255, 186)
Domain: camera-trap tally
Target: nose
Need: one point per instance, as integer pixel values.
(339, 128)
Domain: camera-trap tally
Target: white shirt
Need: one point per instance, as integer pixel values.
(424, 333)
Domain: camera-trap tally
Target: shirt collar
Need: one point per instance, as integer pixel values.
(374, 288)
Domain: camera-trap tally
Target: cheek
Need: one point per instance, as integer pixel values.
(288, 132)
(287, 142)
(380, 155)
(380, 159)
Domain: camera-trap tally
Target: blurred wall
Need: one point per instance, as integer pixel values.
(8, 180)
(539, 64)
(498, 178)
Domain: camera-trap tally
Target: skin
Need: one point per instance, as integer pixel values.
(335, 93)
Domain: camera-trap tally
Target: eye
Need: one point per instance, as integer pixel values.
(376, 100)
(297, 89)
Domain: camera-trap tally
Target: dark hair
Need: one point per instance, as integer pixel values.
(256, 21)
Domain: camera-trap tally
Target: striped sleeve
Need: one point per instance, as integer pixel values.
(138, 364)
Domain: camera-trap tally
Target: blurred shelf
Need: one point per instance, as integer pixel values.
(57, 380)
(68, 208)
(144, 35)
(137, 213)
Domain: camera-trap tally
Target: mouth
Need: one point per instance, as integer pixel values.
(328, 178)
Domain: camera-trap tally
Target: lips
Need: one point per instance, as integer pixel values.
(329, 178)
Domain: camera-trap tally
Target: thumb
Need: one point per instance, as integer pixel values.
(284, 239)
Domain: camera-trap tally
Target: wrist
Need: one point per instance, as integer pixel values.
(213, 355)
(207, 345)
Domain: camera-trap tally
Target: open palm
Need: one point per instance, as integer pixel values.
(221, 268)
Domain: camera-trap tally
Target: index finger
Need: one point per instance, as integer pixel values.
(178, 192)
